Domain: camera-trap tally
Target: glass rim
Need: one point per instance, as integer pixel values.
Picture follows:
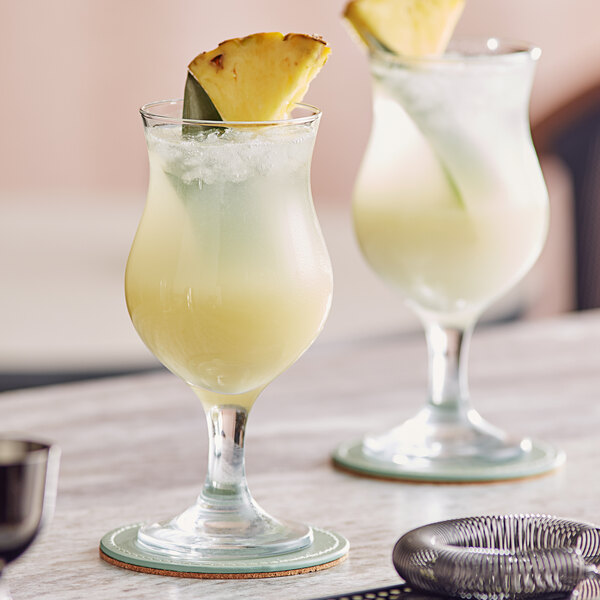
(147, 111)
(492, 50)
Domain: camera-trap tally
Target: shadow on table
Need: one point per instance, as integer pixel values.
(15, 381)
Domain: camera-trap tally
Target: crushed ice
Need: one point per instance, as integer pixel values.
(231, 155)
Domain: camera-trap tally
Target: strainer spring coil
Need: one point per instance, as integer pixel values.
(499, 557)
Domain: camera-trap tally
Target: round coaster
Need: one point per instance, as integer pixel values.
(541, 459)
(119, 547)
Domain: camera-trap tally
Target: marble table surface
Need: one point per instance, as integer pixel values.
(134, 448)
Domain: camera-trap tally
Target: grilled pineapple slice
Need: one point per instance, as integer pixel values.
(407, 27)
(259, 77)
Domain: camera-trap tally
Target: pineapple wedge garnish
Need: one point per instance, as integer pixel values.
(259, 77)
(407, 27)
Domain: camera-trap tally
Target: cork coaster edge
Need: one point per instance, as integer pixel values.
(197, 575)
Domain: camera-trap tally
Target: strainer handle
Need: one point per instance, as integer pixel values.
(404, 591)
(393, 592)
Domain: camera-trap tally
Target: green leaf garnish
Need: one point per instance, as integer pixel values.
(197, 106)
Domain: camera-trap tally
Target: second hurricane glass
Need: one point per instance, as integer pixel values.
(450, 207)
(228, 282)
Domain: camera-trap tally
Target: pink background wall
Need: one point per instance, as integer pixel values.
(73, 161)
(74, 73)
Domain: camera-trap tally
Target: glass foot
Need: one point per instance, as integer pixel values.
(436, 436)
(434, 446)
(204, 533)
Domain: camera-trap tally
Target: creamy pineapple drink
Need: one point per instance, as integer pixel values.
(451, 209)
(450, 206)
(229, 281)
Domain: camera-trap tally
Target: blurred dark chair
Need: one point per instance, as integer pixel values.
(572, 134)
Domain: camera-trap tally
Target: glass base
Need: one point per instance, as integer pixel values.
(438, 446)
(435, 435)
(205, 533)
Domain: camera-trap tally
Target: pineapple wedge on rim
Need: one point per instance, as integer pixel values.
(410, 28)
(261, 76)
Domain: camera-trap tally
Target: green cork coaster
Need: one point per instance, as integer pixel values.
(541, 459)
(119, 547)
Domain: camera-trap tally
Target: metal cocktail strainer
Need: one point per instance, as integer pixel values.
(502, 557)
(499, 557)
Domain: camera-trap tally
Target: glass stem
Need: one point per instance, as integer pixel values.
(226, 478)
(448, 352)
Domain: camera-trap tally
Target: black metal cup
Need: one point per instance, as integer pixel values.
(28, 479)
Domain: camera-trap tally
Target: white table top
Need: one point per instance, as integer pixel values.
(134, 448)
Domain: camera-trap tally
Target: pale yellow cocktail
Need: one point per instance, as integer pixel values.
(228, 280)
(449, 208)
